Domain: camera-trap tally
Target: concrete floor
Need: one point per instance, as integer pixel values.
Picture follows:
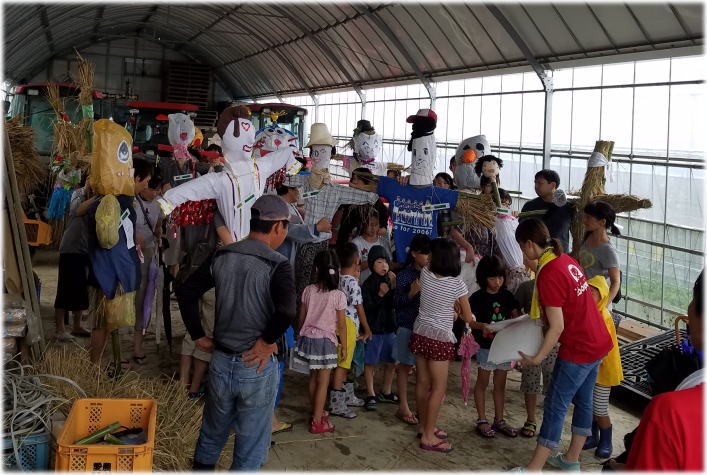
(375, 440)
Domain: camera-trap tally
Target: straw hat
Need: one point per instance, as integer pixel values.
(319, 135)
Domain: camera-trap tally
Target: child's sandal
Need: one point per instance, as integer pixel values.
(489, 432)
(503, 427)
(529, 429)
(371, 403)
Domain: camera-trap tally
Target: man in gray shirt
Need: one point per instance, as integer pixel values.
(255, 303)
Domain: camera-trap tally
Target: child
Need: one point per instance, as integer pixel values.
(369, 237)
(407, 305)
(610, 374)
(378, 305)
(342, 394)
(148, 234)
(321, 316)
(491, 303)
(505, 228)
(432, 340)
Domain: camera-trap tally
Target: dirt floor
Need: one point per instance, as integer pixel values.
(375, 440)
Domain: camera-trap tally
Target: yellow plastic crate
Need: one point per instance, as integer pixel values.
(89, 415)
(38, 233)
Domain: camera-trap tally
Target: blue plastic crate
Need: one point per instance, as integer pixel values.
(33, 451)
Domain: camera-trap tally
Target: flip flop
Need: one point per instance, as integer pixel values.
(439, 433)
(437, 447)
(408, 419)
(284, 427)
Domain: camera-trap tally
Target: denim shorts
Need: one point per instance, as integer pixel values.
(571, 383)
(401, 352)
(379, 349)
(482, 358)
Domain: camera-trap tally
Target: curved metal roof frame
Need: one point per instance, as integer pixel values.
(266, 49)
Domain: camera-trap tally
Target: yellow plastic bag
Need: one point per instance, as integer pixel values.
(108, 221)
(112, 159)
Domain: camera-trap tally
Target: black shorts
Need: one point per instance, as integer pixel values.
(72, 284)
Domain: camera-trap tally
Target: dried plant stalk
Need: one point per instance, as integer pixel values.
(28, 169)
(86, 72)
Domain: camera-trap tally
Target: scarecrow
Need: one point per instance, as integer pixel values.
(593, 189)
(112, 249)
(423, 146)
(321, 198)
(249, 161)
(366, 145)
(490, 167)
(466, 155)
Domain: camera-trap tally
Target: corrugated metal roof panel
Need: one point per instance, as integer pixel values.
(307, 46)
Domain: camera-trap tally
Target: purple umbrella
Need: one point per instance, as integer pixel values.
(149, 294)
(467, 348)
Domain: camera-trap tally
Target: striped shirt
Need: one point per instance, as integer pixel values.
(437, 298)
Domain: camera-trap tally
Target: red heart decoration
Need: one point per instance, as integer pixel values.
(245, 126)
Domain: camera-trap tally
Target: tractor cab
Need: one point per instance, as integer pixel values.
(148, 122)
(285, 115)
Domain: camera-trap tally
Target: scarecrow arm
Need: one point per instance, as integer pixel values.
(625, 203)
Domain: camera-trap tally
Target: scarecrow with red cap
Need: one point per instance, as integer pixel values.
(423, 146)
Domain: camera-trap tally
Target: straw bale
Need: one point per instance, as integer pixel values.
(178, 419)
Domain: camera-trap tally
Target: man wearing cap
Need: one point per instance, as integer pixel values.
(255, 303)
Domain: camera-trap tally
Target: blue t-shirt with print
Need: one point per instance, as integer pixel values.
(406, 203)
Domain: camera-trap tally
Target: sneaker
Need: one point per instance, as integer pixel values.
(65, 336)
(558, 461)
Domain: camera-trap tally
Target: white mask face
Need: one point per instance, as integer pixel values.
(239, 149)
(424, 154)
(276, 139)
(180, 130)
(320, 156)
(367, 147)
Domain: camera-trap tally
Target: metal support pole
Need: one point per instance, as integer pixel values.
(362, 97)
(547, 123)
(432, 91)
(315, 99)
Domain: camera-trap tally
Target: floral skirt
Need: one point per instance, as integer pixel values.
(432, 349)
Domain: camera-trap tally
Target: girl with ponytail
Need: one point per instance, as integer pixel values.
(563, 301)
(597, 255)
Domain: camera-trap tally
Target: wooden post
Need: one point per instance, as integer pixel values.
(35, 333)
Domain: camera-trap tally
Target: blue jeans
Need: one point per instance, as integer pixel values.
(241, 399)
(571, 382)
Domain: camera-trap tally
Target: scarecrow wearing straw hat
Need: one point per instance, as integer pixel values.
(321, 198)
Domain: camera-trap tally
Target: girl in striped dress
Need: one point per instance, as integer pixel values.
(432, 341)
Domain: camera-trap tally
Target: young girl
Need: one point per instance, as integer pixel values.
(599, 258)
(321, 317)
(406, 301)
(563, 299)
(491, 303)
(432, 340)
(597, 255)
(369, 237)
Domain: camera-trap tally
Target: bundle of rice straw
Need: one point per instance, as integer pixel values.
(476, 211)
(178, 419)
(395, 166)
(86, 71)
(593, 190)
(29, 171)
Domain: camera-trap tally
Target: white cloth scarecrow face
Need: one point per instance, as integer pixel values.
(320, 155)
(424, 154)
(275, 142)
(239, 149)
(490, 169)
(181, 129)
(367, 147)
(468, 151)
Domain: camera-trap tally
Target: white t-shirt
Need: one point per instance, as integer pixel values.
(142, 229)
(365, 246)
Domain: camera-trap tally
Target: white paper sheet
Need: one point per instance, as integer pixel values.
(498, 326)
(525, 335)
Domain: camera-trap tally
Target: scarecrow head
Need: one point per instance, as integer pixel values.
(468, 152)
(423, 146)
(181, 134)
(320, 146)
(489, 166)
(112, 159)
(366, 143)
(237, 133)
(274, 140)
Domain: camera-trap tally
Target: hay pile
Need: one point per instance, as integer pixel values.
(29, 171)
(476, 211)
(178, 420)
